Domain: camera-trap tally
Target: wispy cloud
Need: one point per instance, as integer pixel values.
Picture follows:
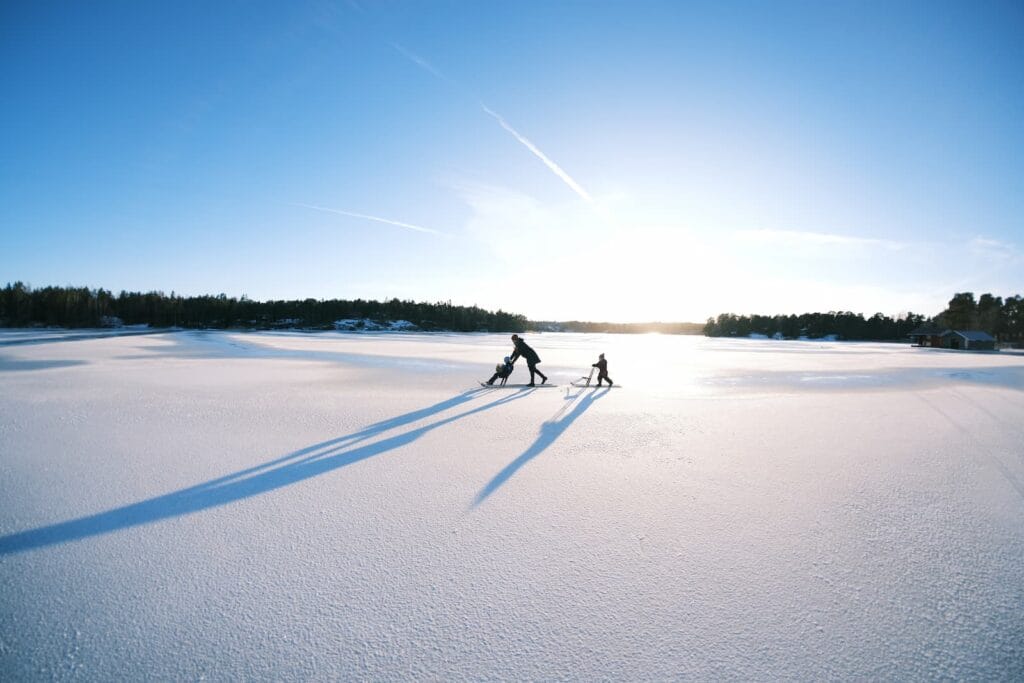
(378, 219)
(995, 251)
(504, 219)
(555, 168)
(816, 239)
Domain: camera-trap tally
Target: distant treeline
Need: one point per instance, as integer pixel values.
(843, 324)
(23, 306)
(619, 328)
(1003, 319)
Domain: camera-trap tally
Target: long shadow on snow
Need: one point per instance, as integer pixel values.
(549, 432)
(13, 365)
(297, 466)
(70, 337)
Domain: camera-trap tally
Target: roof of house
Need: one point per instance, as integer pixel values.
(971, 335)
(927, 329)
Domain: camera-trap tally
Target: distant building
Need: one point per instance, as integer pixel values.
(927, 335)
(965, 340)
(968, 340)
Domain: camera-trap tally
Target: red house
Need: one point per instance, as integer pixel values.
(927, 335)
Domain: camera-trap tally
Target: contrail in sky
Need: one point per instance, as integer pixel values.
(387, 221)
(420, 62)
(555, 168)
(547, 161)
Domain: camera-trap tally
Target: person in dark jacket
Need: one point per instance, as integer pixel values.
(602, 370)
(523, 350)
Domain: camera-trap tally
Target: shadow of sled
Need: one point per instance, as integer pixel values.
(549, 433)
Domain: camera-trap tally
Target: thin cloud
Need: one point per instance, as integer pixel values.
(818, 239)
(378, 219)
(555, 168)
(994, 250)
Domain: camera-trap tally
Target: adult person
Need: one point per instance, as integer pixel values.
(523, 350)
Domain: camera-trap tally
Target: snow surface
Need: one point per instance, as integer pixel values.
(329, 506)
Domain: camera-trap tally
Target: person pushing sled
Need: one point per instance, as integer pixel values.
(602, 369)
(503, 370)
(602, 374)
(522, 349)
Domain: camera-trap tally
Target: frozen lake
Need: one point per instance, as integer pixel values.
(343, 506)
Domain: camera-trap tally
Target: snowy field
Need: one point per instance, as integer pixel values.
(230, 506)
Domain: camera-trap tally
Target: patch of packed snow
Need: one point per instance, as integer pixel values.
(318, 506)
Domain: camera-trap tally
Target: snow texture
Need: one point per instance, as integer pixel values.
(272, 506)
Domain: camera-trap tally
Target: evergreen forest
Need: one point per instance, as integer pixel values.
(1002, 318)
(23, 306)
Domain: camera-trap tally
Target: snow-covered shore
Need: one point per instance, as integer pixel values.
(326, 506)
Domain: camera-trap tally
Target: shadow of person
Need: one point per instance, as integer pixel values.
(297, 466)
(549, 433)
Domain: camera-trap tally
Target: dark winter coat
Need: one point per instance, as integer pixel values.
(523, 349)
(602, 366)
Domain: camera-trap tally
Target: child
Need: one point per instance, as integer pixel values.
(602, 370)
(502, 370)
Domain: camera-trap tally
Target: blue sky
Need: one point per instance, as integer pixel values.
(586, 160)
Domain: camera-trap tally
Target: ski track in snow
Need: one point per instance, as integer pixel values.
(284, 505)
